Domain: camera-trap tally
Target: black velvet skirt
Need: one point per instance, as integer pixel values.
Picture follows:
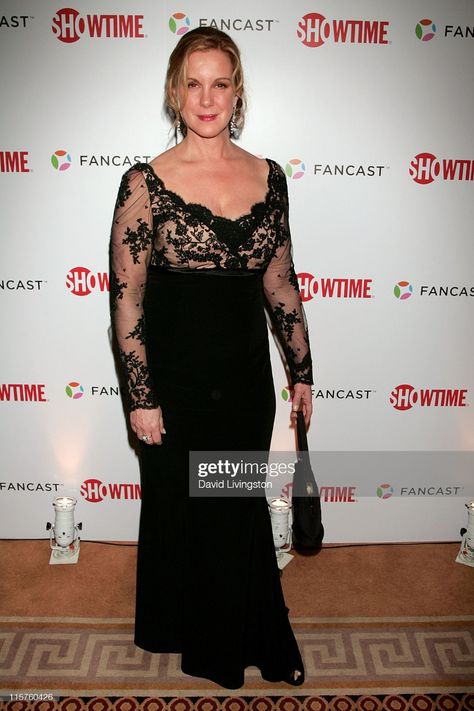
(208, 584)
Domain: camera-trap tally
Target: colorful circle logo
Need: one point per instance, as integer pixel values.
(61, 160)
(287, 394)
(295, 168)
(179, 23)
(384, 491)
(403, 290)
(74, 390)
(425, 30)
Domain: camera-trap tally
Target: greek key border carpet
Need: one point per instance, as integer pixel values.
(89, 657)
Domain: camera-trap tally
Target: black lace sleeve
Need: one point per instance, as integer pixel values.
(284, 300)
(130, 252)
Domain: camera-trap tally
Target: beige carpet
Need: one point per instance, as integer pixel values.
(377, 619)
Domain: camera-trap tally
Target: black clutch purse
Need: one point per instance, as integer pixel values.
(307, 528)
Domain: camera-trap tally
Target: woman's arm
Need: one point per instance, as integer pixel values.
(283, 296)
(130, 251)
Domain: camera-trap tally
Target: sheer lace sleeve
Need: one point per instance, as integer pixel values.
(283, 297)
(130, 252)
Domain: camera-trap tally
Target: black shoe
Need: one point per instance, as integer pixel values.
(295, 677)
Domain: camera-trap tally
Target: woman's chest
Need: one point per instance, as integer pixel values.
(192, 236)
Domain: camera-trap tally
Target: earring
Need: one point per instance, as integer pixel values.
(233, 124)
(178, 126)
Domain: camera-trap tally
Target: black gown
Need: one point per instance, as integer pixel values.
(188, 293)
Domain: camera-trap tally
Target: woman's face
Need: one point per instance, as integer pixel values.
(210, 100)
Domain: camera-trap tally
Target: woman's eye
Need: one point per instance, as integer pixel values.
(221, 85)
(191, 84)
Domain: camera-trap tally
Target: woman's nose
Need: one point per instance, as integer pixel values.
(206, 98)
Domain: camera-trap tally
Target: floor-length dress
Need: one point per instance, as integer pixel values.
(188, 293)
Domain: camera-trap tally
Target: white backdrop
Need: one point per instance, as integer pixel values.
(376, 139)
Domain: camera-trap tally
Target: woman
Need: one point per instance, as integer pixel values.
(200, 242)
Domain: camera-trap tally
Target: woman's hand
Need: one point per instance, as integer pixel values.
(148, 425)
(302, 400)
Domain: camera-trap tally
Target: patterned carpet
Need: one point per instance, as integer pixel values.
(362, 661)
(389, 702)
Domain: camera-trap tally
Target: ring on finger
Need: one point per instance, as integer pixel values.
(145, 437)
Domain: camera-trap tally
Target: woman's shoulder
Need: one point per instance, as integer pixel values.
(277, 179)
(276, 167)
(265, 165)
(164, 160)
(151, 167)
(147, 174)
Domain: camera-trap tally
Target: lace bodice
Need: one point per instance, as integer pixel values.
(153, 226)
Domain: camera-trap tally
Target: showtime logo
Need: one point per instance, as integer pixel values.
(338, 494)
(405, 396)
(329, 494)
(81, 281)
(14, 162)
(426, 167)
(68, 26)
(343, 288)
(314, 29)
(94, 491)
(23, 392)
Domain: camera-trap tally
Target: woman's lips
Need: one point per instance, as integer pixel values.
(207, 117)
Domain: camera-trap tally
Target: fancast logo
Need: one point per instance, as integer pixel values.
(69, 26)
(314, 30)
(330, 287)
(32, 486)
(403, 397)
(179, 23)
(237, 24)
(384, 491)
(403, 290)
(22, 284)
(295, 168)
(61, 160)
(349, 169)
(342, 394)
(94, 491)
(425, 30)
(445, 290)
(81, 281)
(74, 390)
(426, 167)
(15, 21)
(287, 393)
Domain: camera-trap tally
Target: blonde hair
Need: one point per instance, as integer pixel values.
(201, 39)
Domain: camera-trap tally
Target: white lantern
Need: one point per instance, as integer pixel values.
(280, 518)
(466, 553)
(64, 534)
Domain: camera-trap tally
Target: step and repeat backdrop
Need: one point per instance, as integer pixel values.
(368, 108)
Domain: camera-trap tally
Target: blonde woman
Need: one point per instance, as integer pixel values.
(200, 246)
